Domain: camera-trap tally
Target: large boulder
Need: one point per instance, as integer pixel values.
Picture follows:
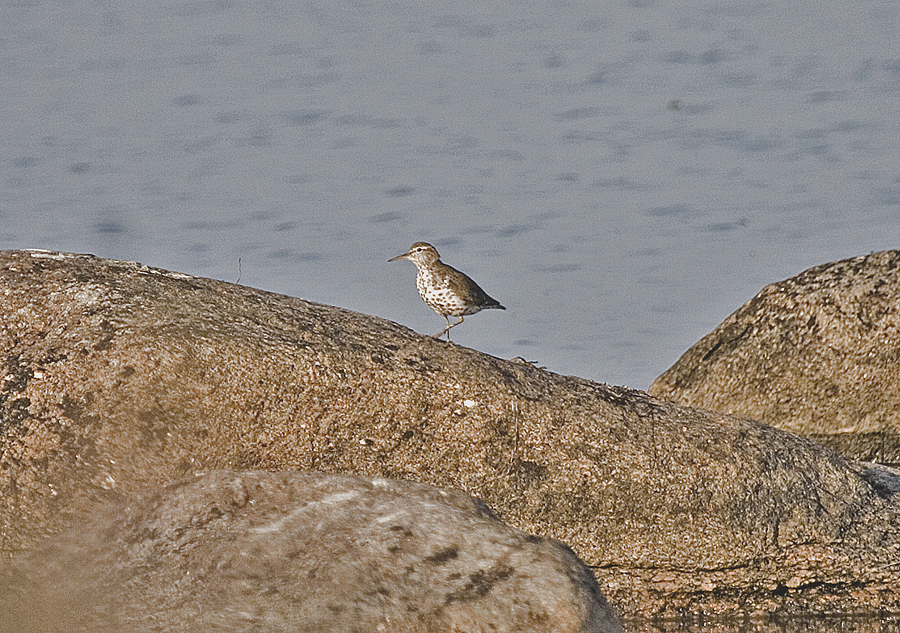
(817, 354)
(119, 377)
(263, 551)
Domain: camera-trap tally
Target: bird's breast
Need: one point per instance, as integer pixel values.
(438, 294)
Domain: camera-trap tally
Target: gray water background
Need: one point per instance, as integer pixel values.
(621, 176)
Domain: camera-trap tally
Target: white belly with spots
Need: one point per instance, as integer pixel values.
(438, 295)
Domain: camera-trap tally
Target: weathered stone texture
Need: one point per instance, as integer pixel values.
(264, 551)
(817, 354)
(120, 377)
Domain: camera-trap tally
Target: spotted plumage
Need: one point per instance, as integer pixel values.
(443, 288)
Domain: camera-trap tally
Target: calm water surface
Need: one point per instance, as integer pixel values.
(620, 176)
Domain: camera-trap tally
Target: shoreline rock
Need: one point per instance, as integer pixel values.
(120, 377)
(277, 551)
(816, 354)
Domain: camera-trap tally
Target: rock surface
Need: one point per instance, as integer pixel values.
(119, 377)
(817, 354)
(252, 550)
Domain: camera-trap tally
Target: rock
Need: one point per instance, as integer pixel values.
(121, 377)
(265, 551)
(817, 354)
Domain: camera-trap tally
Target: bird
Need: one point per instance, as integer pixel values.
(443, 288)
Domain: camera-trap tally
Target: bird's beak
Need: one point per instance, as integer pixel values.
(403, 256)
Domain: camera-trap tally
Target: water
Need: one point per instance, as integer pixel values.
(621, 176)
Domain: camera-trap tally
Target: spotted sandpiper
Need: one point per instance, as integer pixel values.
(443, 288)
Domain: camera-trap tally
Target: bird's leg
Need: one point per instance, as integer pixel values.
(446, 329)
(450, 326)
